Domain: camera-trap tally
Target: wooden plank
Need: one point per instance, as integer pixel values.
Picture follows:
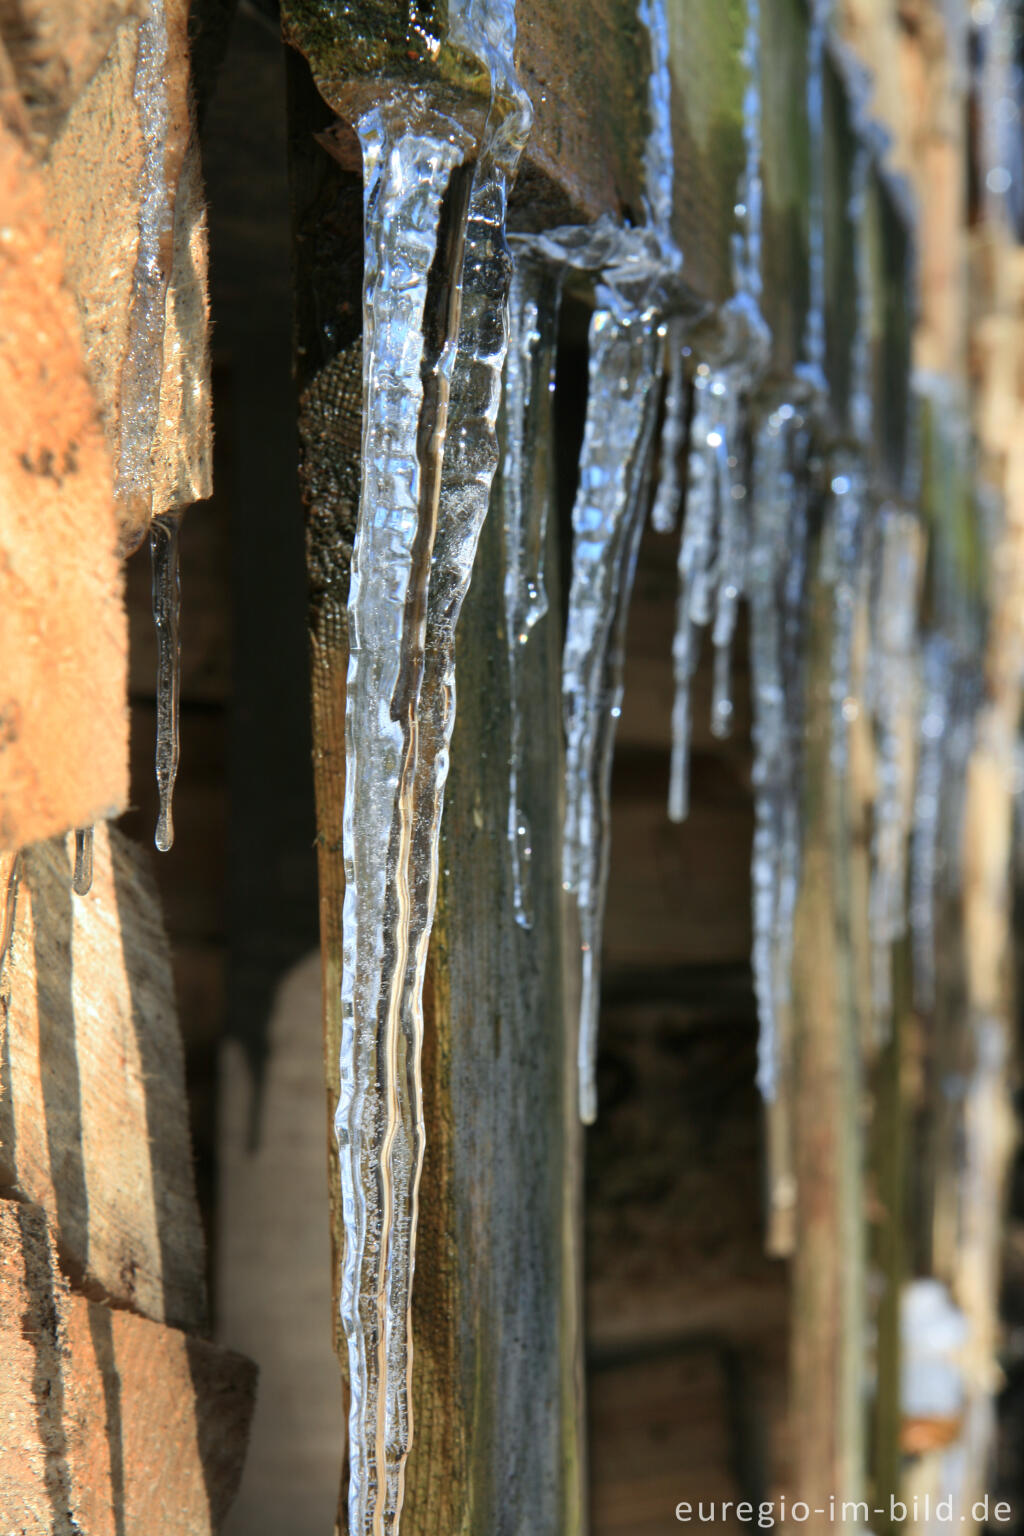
(93, 1121)
(63, 727)
(113, 1425)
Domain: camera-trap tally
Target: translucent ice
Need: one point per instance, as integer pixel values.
(607, 522)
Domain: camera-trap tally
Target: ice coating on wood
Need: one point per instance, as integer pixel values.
(81, 879)
(436, 277)
(163, 549)
(526, 494)
(143, 367)
(607, 520)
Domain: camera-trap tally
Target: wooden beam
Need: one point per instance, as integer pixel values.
(113, 1425)
(93, 1118)
(63, 724)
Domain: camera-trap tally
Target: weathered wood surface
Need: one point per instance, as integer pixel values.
(112, 1425)
(93, 1120)
(63, 727)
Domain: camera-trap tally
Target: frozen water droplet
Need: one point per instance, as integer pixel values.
(163, 550)
(81, 879)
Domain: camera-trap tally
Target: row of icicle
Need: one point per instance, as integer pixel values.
(752, 484)
(746, 467)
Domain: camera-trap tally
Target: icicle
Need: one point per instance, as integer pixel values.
(163, 550)
(711, 563)
(893, 698)
(776, 579)
(431, 386)
(526, 496)
(607, 519)
(408, 347)
(665, 511)
(470, 461)
(81, 880)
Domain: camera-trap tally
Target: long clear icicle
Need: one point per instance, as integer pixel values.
(408, 351)
(470, 461)
(526, 497)
(163, 550)
(433, 356)
(638, 269)
(607, 521)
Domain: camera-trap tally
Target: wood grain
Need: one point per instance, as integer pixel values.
(93, 1121)
(113, 1425)
(63, 725)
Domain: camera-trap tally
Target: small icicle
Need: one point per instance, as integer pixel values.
(81, 880)
(667, 497)
(607, 522)
(526, 497)
(163, 550)
(710, 565)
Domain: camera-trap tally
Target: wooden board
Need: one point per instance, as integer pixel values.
(63, 729)
(93, 1121)
(113, 1425)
